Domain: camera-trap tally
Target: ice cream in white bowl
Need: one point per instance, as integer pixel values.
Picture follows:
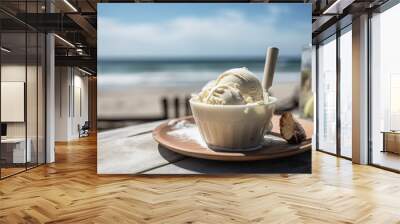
(233, 112)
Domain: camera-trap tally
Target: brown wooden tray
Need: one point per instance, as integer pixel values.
(275, 147)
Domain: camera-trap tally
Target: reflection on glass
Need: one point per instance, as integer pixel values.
(385, 84)
(346, 94)
(327, 96)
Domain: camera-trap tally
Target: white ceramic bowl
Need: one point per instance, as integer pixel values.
(233, 127)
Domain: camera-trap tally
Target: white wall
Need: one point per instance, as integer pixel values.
(80, 89)
(14, 73)
(33, 126)
(70, 83)
(62, 82)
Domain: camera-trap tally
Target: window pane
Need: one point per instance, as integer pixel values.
(345, 94)
(327, 96)
(385, 84)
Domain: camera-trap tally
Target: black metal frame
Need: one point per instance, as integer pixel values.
(338, 98)
(316, 96)
(369, 105)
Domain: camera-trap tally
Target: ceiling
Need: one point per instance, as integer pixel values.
(76, 22)
(332, 15)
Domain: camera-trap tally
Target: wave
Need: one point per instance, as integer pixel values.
(174, 78)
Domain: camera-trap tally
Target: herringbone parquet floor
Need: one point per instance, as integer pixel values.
(69, 191)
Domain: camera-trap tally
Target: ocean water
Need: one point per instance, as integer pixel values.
(114, 73)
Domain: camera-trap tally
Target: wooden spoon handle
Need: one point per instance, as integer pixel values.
(269, 68)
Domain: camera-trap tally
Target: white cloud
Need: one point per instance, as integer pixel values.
(230, 33)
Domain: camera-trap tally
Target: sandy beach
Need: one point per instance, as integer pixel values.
(146, 101)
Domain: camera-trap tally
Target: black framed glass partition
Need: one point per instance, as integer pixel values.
(334, 93)
(22, 89)
(15, 152)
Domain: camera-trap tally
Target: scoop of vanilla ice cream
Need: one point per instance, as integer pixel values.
(245, 82)
(224, 94)
(236, 86)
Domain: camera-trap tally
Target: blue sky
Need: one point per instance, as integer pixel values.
(154, 30)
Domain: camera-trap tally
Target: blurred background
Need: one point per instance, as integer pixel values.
(151, 57)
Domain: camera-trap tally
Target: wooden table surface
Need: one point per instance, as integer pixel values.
(132, 150)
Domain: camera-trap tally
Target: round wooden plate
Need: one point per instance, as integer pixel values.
(274, 146)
